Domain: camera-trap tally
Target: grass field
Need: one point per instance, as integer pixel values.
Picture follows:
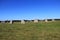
(30, 31)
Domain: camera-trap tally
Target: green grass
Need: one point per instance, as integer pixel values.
(30, 31)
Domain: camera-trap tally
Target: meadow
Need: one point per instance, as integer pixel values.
(30, 31)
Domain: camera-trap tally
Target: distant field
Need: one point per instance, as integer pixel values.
(30, 31)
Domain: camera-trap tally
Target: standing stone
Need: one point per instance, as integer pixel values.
(46, 20)
(10, 21)
(52, 19)
(22, 22)
(35, 21)
(2, 21)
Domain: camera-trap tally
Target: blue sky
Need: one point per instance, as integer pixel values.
(29, 9)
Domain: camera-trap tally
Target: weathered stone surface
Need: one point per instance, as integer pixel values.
(2, 21)
(46, 20)
(22, 22)
(35, 21)
(52, 19)
(11, 22)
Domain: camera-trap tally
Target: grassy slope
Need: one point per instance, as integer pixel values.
(30, 31)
